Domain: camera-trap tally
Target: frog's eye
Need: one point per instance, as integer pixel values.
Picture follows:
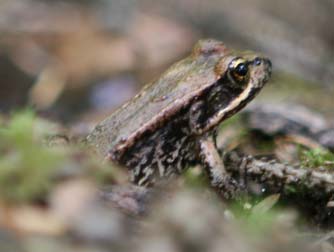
(239, 70)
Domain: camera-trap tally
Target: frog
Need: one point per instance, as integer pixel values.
(171, 124)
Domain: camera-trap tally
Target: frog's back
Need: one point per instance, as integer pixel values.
(156, 103)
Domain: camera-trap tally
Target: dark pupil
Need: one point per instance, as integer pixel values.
(241, 69)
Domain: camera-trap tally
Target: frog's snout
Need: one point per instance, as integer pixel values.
(268, 68)
(265, 65)
(258, 61)
(268, 64)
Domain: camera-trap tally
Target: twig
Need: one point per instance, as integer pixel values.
(280, 175)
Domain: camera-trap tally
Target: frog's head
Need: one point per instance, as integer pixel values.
(244, 70)
(240, 76)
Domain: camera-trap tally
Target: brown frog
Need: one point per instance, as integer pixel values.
(170, 125)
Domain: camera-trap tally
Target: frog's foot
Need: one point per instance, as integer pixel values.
(220, 180)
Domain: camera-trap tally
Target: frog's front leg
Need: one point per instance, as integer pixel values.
(214, 166)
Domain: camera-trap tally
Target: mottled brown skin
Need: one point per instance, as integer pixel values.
(169, 125)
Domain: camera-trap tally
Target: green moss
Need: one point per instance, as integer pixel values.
(194, 177)
(316, 158)
(25, 164)
(258, 217)
(290, 189)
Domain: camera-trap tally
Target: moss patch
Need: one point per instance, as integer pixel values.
(317, 158)
(25, 164)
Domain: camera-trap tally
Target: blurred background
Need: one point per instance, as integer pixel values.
(75, 61)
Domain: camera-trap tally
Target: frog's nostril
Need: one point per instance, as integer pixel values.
(257, 61)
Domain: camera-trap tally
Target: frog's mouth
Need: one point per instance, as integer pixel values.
(225, 103)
